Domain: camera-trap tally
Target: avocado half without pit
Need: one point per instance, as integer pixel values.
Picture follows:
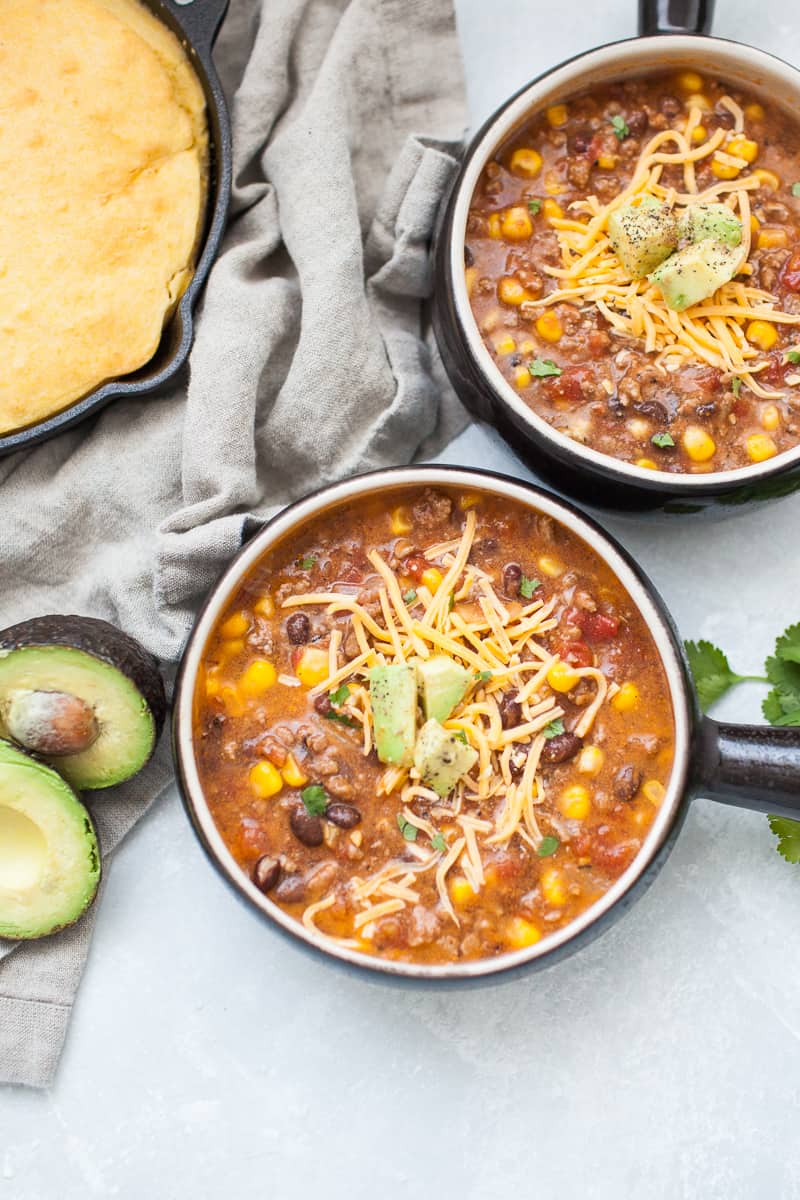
(49, 857)
(82, 695)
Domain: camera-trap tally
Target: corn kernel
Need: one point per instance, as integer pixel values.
(516, 224)
(638, 428)
(213, 684)
(591, 760)
(767, 179)
(521, 933)
(468, 500)
(235, 626)
(755, 224)
(552, 567)
(557, 115)
(627, 698)
(505, 344)
(265, 779)
(754, 112)
(724, 170)
(744, 148)
(689, 81)
(231, 648)
(549, 327)
(470, 279)
(654, 791)
(762, 334)
(698, 100)
(770, 418)
(511, 291)
(522, 377)
(292, 773)
(699, 445)
(431, 579)
(760, 447)
(575, 802)
(554, 887)
(495, 225)
(401, 521)
(461, 892)
(264, 607)
(699, 134)
(562, 677)
(526, 162)
(356, 837)
(312, 666)
(527, 347)
(773, 239)
(552, 210)
(606, 162)
(258, 677)
(552, 184)
(646, 464)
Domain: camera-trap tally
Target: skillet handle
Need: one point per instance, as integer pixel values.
(200, 19)
(675, 16)
(751, 766)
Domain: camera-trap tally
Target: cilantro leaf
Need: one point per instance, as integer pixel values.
(548, 846)
(342, 719)
(451, 602)
(540, 368)
(736, 385)
(482, 676)
(712, 672)
(618, 124)
(339, 696)
(782, 705)
(787, 647)
(462, 737)
(663, 440)
(439, 843)
(792, 356)
(410, 596)
(408, 830)
(315, 799)
(528, 586)
(788, 834)
(553, 729)
(306, 563)
(796, 189)
(534, 207)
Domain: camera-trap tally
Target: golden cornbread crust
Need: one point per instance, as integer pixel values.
(103, 155)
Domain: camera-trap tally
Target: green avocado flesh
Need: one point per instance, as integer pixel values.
(126, 726)
(642, 236)
(694, 273)
(442, 685)
(393, 694)
(715, 221)
(49, 857)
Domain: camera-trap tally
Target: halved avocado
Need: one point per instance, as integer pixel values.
(83, 695)
(49, 857)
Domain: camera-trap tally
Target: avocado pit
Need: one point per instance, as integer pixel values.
(51, 723)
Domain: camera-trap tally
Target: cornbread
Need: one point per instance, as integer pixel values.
(103, 148)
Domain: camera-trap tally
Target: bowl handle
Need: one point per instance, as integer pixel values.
(675, 16)
(751, 766)
(200, 19)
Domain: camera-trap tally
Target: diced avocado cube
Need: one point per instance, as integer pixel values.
(700, 221)
(441, 757)
(642, 236)
(694, 273)
(443, 684)
(393, 694)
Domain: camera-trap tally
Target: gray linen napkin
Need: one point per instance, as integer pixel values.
(310, 363)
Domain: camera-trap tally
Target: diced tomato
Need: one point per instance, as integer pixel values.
(774, 374)
(790, 276)
(415, 566)
(577, 654)
(601, 627)
(605, 853)
(707, 379)
(569, 384)
(573, 619)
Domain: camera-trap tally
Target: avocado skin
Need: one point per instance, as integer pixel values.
(101, 640)
(11, 750)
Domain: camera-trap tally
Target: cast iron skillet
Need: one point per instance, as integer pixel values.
(750, 766)
(574, 469)
(196, 23)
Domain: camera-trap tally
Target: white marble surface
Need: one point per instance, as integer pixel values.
(207, 1058)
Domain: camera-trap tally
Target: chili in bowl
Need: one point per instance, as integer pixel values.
(618, 273)
(434, 722)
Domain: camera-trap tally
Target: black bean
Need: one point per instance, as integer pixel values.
(469, 258)
(322, 703)
(306, 827)
(670, 106)
(512, 577)
(653, 409)
(346, 816)
(561, 748)
(510, 711)
(581, 143)
(627, 782)
(266, 873)
(298, 628)
(637, 122)
(706, 410)
(291, 889)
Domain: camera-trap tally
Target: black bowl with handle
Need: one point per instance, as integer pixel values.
(674, 36)
(196, 24)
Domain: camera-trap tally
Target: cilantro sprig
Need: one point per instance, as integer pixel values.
(534, 207)
(620, 126)
(528, 586)
(787, 832)
(408, 830)
(315, 799)
(542, 368)
(713, 675)
(554, 729)
(664, 441)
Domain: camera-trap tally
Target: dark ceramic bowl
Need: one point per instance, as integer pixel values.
(671, 41)
(751, 766)
(196, 23)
